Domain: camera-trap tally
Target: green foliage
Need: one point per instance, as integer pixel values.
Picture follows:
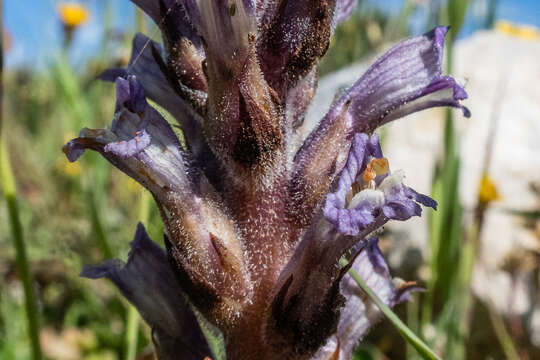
(354, 39)
(21, 258)
(451, 257)
(213, 336)
(491, 13)
(368, 352)
(43, 110)
(14, 341)
(456, 15)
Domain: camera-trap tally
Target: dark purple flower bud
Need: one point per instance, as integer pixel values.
(171, 16)
(146, 64)
(295, 39)
(149, 283)
(140, 142)
(253, 236)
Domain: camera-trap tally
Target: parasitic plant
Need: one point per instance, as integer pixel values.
(257, 218)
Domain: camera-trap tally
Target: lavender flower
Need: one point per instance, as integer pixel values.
(255, 227)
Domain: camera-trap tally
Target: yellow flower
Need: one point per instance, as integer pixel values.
(71, 169)
(73, 14)
(527, 32)
(488, 190)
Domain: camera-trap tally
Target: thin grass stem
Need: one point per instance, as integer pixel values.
(408, 334)
(97, 226)
(7, 182)
(412, 320)
(502, 333)
(132, 332)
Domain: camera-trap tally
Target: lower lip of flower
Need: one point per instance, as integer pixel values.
(364, 187)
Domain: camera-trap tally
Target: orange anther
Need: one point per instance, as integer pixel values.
(368, 175)
(377, 166)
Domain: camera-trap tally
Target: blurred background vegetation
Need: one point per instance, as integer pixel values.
(57, 216)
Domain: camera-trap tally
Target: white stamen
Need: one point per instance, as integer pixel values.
(375, 197)
(392, 181)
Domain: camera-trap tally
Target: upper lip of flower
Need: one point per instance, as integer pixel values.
(222, 195)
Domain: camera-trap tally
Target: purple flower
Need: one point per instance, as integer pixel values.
(255, 227)
(368, 193)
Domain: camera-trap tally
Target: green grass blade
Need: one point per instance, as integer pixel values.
(435, 225)
(457, 9)
(133, 319)
(491, 13)
(213, 336)
(413, 316)
(132, 332)
(502, 333)
(407, 333)
(23, 267)
(97, 226)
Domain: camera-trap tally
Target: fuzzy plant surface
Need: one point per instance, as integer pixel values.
(257, 216)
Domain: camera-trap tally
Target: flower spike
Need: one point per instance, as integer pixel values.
(254, 229)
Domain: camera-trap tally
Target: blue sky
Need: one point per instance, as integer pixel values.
(37, 34)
